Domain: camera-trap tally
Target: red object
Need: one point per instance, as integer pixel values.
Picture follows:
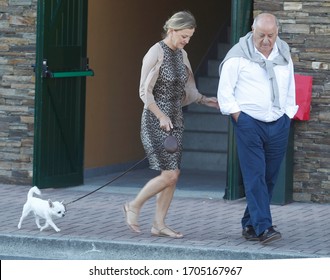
(303, 96)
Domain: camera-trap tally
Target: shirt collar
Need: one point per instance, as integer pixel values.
(272, 55)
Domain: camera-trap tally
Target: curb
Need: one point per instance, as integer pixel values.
(79, 249)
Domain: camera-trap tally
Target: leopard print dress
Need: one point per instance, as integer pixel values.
(168, 93)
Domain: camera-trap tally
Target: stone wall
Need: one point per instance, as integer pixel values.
(17, 54)
(305, 25)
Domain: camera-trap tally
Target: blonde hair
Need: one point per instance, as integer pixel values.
(180, 20)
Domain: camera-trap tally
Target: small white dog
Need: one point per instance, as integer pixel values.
(42, 209)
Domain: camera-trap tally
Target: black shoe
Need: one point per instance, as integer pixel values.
(249, 234)
(269, 235)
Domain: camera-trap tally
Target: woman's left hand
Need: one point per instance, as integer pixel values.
(211, 102)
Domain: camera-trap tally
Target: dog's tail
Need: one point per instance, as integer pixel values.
(32, 191)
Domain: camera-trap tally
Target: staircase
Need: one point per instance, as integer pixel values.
(205, 139)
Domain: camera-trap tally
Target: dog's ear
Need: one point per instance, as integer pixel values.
(51, 205)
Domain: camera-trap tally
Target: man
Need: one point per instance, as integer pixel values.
(256, 88)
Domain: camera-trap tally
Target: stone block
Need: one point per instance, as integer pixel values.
(296, 28)
(20, 2)
(302, 197)
(324, 116)
(320, 65)
(22, 21)
(292, 6)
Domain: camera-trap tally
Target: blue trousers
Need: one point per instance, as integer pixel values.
(261, 147)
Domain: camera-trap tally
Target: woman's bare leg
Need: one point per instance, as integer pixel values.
(167, 179)
(164, 199)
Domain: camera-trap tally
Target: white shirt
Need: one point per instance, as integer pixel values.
(244, 86)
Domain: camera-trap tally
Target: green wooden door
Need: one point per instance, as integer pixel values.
(241, 21)
(61, 69)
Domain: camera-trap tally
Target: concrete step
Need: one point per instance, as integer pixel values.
(205, 122)
(197, 108)
(223, 48)
(208, 85)
(205, 142)
(209, 161)
(213, 64)
(213, 68)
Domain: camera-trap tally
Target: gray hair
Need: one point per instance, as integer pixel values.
(180, 20)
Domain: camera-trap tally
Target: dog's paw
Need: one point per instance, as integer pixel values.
(57, 230)
(19, 226)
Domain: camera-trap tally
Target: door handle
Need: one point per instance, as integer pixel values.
(46, 73)
(70, 74)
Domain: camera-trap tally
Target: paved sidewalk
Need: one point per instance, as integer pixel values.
(94, 227)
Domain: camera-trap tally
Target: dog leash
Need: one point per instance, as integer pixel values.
(170, 144)
(114, 179)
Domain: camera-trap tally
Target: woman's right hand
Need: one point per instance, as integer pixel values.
(165, 123)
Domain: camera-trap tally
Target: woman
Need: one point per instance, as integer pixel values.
(167, 83)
